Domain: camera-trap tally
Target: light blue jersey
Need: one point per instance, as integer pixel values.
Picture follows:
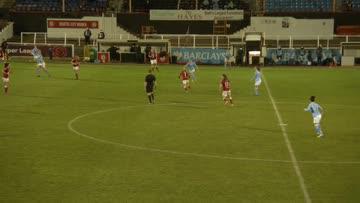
(315, 109)
(227, 55)
(37, 56)
(39, 59)
(35, 52)
(257, 76)
(191, 66)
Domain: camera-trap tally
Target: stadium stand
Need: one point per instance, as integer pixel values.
(144, 6)
(351, 5)
(7, 3)
(40, 5)
(223, 4)
(55, 5)
(3, 23)
(187, 4)
(164, 4)
(275, 6)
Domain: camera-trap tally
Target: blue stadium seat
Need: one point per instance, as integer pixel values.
(298, 6)
(55, 5)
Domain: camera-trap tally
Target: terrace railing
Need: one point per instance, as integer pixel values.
(226, 41)
(199, 41)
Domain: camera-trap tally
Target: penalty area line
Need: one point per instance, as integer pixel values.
(288, 145)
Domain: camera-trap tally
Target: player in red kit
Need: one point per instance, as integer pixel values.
(153, 60)
(226, 90)
(185, 76)
(6, 77)
(76, 66)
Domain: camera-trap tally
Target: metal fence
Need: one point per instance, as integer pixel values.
(212, 41)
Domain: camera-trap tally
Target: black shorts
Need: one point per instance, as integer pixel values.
(149, 89)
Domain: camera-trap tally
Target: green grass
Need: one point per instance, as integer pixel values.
(186, 140)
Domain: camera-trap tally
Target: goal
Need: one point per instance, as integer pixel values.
(350, 53)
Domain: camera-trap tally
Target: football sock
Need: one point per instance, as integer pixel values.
(46, 71)
(152, 98)
(38, 71)
(318, 129)
(193, 77)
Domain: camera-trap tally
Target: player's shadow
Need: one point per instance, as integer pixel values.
(12, 134)
(104, 99)
(86, 80)
(26, 112)
(100, 81)
(259, 129)
(113, 100)
(62, 78)
(35, 96)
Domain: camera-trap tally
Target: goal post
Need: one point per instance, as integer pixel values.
(350, 53)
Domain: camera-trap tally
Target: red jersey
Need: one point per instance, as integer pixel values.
(184, 75)
(6, 72)
(225, 85)
(152, 55)
(75, 62)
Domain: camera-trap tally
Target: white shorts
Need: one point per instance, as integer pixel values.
(226, 94)
(153, 62)
(185, 82)
(231, 59)
(317, 119)
(5, 80)
(41, 64)
(76, 68)
(257, 82)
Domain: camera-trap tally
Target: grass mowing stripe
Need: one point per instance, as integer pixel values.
(288, 145)
(134, 147)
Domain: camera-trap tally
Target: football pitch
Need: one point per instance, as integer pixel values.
(98, 140)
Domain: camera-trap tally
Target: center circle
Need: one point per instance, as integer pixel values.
(175, 127)
(190, 138)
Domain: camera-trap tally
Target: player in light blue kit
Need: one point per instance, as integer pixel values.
(191, 68)
(257, 79)
(39, 61)
(316, 112)
(229, 59)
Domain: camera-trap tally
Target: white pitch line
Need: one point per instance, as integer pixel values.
(134, 147)
(215, 156)
(288, 145)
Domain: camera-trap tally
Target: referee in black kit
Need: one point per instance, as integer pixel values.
(149, 84)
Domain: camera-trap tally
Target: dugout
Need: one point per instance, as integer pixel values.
(126, 53)
(253, 48)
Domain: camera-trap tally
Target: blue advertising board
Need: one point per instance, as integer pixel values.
(200, 55)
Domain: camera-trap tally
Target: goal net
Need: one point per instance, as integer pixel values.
(350, 53)
(351, 49)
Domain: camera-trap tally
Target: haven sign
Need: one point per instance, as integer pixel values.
(196, 15)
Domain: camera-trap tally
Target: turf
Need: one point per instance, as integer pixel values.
(188, 147)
